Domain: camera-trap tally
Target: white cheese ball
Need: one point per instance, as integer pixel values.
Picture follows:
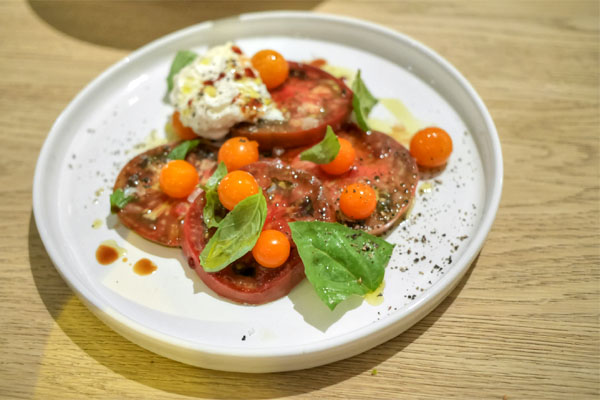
(220, 89)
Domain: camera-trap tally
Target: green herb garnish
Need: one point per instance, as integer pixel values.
(339, 261)
(182, 58)
(362, 102)
(181, 151)
(118, 200)
(236, 235)
(213, 207)
(325, 151)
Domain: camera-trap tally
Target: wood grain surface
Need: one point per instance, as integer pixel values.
(523, 324)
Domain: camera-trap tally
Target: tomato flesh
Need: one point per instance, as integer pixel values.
(382, 163)
(310, 99)
(153, 214)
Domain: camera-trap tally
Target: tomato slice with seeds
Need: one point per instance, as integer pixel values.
(153, 214)
(380, 162)
(291, 195)
(310, 99)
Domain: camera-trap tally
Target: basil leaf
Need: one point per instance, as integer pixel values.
(179, 152)
(215, 179)
(325, 151)
(362, 102)
(236, 235)
(182, 58)
(213, 209)
(339, 261)
(118, 200)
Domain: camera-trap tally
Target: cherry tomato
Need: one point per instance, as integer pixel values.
(178, 179)
(272, 67)
(235, 187)
(182, 131)
(358, 201)
(237, 152)
(431, 147)
(272, 249)
(343, 161)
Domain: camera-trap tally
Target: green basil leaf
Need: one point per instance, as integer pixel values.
(236, 235)
(179, 152)
(215, 179)
(339, 261)
(213, 209)
(325, 151)
(118, 200)
(362, 102)
(182, 58)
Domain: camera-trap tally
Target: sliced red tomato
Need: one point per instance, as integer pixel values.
(153, 214)
(382, 163)
(310, 99)
(291, 196)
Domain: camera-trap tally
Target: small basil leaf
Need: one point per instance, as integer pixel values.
(213, 181)
(236, 235)
(362, 102)
(323, 152)
(182, 58)
(213, 208)
(339, 261)
(118, 200)
(179, 152)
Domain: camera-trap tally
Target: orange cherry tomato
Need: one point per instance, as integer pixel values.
(181, 130)
(272, 249)
(178, 179)
(343, 161)
(358, 201)
(272, 67)
(431, 147)
(235, 187)
(237, 152)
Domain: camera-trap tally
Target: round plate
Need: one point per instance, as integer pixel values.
(171, 312)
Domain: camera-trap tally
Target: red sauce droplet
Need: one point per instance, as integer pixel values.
(319, 62)
(236, 49)
(106, 254)
(249, 73)
(144, 267)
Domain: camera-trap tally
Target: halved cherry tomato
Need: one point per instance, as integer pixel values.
(181, 130)
(343, 161)
(235, 187)
(272, 67)
(358, 201)
(178, 179)
(237, 152)
(431, 147)
(272, 249)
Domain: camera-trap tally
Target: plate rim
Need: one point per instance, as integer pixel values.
(425, 303)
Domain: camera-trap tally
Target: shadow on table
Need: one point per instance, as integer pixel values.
(131, 24)
(140, 365)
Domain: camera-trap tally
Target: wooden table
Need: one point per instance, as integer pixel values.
(522, 324)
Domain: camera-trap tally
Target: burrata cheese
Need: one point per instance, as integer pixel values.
(220, 89)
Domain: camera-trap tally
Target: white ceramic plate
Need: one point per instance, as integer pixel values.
(171, 312)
